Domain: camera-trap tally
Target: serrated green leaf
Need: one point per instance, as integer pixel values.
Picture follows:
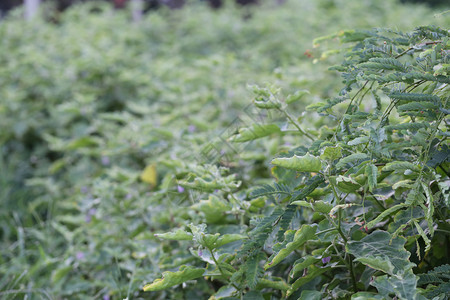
(371, 172)
(210, 185)
(253, 295)
(303, 263)
(366, 296)
(358, 140)
(423, 235)
(416, 97)
(204, 239)
(267, 103)
(331, 153)
(225, 292)
(286, 220)
(351, 158)
(415, 106)
(170, 279)
(383, 64)
(209, 240)
(385, 214)
(348, 179)
(178, 235)
(319, 206)
(310, 295)
(254, 132)
(407, 126)
(304, 234)
(279, 284)
(334, 210)
(312, 273)
(322, 207)
(429, 209)
(288, 237)
(345, 184)
(306, 163)
(253, 269)
(404, 287)
(380, 247)
(400, 166)
(403, 183)
(445, 189)
(377, 263)
(204, 255)
(319, 193)
(438, 293)
(311, 186)
(214, 209)
(437, 275)
(228, 238)
(296, 96)
(315, 106)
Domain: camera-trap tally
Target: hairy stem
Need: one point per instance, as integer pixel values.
(350, 259)
(296, 124)
(220, 269)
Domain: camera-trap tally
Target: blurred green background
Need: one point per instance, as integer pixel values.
(89, 99)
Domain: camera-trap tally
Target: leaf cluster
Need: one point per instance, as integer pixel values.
(358, 208)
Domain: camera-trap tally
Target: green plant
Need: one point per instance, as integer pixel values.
(360, 206)
(105, 124)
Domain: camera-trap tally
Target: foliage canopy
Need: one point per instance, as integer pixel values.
(123, 162)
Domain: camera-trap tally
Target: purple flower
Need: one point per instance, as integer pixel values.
(106, 297)
(89, 215)
(191, 128)
(79, 255)
(326, 260)
(180, 189)
(84, 189)
(105, 160)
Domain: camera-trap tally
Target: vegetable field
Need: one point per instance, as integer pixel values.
(277, 151)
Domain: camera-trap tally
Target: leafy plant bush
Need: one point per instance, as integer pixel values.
(360, 203)
(106, 125)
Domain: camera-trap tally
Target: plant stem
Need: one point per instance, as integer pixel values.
(296, 124)
(350, 260)
(220, 269)
(352, 273)
(349, 105)
(339, 213)
(411, 48)
(326, 230)
(349, 265)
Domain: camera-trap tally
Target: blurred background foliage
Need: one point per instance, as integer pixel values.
(7, 5)
(89, 99)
